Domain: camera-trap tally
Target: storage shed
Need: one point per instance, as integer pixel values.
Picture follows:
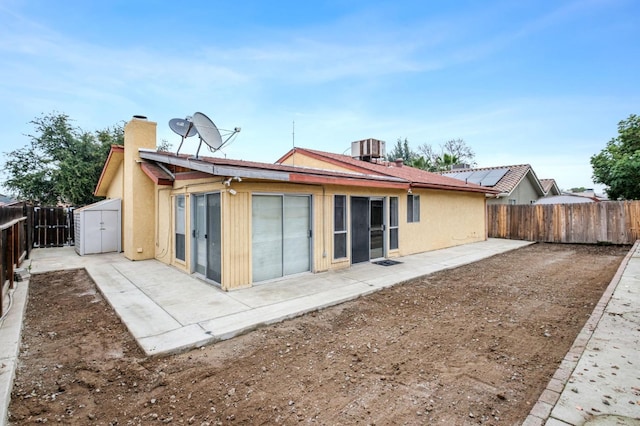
(98, 227)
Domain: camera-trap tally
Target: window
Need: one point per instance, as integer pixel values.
(339, 226)
(393, 223)
(512, 201)
(180, 227)
(413, 208)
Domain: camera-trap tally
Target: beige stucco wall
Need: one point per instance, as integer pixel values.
(447, 218)
(301, 160)
(139, 193)
(115, 189)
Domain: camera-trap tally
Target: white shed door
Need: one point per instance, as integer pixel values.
(92, 232)
(100, 231)
(109, 231)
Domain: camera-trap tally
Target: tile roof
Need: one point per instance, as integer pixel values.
(548, 184)
(417, 177)
(510, 180)
(361, 173)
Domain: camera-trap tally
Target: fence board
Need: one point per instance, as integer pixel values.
(615, 222)
(53, 227)
(14, 240)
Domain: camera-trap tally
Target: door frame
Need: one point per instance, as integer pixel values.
(369, 199)
(192, 229)
(311, 230)
(383, 225)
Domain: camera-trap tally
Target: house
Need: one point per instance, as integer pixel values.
(516, 184)
(5, 200)
(237, 223)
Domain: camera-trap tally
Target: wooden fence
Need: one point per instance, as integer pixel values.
(53, 227)
(615, 222)
(15, 245)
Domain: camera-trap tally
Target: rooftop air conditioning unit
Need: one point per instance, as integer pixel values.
(367, 149)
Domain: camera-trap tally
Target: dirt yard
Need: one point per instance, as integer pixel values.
(472, 345)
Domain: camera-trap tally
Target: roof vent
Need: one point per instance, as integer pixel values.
(399, 162)
(367, 149)
(139, 117)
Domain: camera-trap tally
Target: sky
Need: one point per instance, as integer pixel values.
(539, 82)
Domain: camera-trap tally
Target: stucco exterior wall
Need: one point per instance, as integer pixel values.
(115, 189)
(447, 219)
(139, 193)
(300, 160)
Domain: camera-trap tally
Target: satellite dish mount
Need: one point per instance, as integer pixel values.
(183, 127)
(205, 128)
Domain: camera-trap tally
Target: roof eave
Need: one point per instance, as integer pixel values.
(115, 157)
(475, 188)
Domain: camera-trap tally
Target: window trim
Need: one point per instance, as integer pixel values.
(413, 208)
(343, 233)
(393, 227)
(184, 228)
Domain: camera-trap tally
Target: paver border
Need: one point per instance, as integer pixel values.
(541, 411)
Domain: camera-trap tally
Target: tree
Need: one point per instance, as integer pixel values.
(618, 165)
(452, 152)
(61, 164)
(164, 146)
(401, 150)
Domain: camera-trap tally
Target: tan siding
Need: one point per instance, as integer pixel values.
(236, 240)
(447, 218)
(164, 227)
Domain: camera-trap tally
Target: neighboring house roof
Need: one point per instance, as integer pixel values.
(550, 187)
(4, 200)
(418, 178)
(566, 199)
(511, 179)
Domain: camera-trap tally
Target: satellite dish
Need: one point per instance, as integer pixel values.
(183, 127)
(208, 131)
(203, 126)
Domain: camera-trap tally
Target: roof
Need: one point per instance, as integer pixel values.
(511, 179)
(550, 186)
(115, 158)
(279, 172)
(108, 204)
(566, 199)
(354, 172)
(417, 178)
